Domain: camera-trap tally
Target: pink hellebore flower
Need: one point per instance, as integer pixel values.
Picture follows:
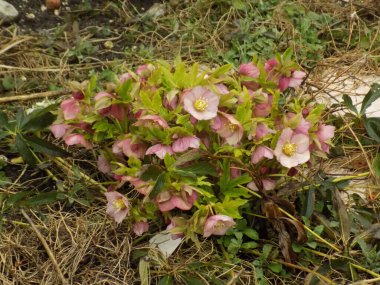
(228, 128)
(124, 77)
(268, 184)
(183, 144)
(117, 206)
(325, 133)
(217, 225)
(140, 185)
(201, 103)
(177, 224)
(78, 95)
(264, 109)
(160, 150)
(128, 148)
(292, 149)
(140, 227)
(74, 139)
(59, 130)
(183, 200)
(259, 153)
(249, 70)
(222, 89)
(294, 80)
(151, 119)
(112, 110)
(270, 64)
(103, 165)
(70, 108)
(262, 131)
(303, 127)
(144, 70)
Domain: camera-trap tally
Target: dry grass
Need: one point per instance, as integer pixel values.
(88, 247)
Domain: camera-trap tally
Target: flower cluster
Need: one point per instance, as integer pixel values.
(192, 144)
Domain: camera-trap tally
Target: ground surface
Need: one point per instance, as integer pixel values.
(333, 40)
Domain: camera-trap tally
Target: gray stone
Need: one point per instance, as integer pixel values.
(7, 11)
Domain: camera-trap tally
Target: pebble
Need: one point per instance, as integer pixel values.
(7, 11)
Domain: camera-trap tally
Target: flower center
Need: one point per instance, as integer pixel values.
(289, 149)
(219, 225)
(119, 204)
(232, 127)
(200, 104)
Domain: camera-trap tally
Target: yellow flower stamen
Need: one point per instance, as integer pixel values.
(200, 104)
(289, 149)
(119, 204)
(219, 225)
(232, 127)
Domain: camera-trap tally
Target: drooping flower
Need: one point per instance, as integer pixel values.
(117, 206)
(124, 77)
(292, 149)
(228, 128)
(140, 227)
(145, 70)
(267, 183)
(201, 103)
(103, 165)
(105, 106)
(77, 95)
(260, 153)
(270, 64)
(177, 226)
(59, 130)
(70, 108)
(222, 89)
(140, 185)
(303, 126)
(79, 139)
(324, 134)
(294, 80)
(160, 150)
(249, 70)
(183, 144)
(151, 119)
(263, 109)
(217, 225)
(129, 149)
(262, 131)
(183, 200)
(252, 71)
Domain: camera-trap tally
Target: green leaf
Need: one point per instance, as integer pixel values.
(251, 233)
(201, 168)
(372, 95)
(372, 125)
(158, 186)
(348, 102)
(275, 267)
(44, 198)
(4, 121)
(23, 149)
(230, 207)
(221, 70)
(166, 280)
(310, 202)
(124, 91)
(376, 165)
(15, 198)
(152, 172)
(39, 119)
(191, 280)
(316, 113)
(45, 147)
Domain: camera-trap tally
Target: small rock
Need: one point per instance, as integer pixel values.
(7, 11)
(30, 16)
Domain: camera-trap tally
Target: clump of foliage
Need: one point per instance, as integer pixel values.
(200, 146)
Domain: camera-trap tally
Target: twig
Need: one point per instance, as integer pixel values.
(365, 282)
(33, 96)
(46, 246)
(8, 47)
(374, 274)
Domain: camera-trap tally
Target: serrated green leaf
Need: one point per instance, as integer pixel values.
(372, 96)
(275, 267)
(4, 121)
(251, 233)
(221, 70)
(23, 149)
(46, 147)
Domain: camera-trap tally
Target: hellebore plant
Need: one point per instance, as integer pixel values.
(195, 145)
